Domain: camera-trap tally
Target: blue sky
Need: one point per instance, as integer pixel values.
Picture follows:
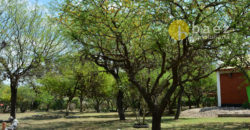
(40, 2)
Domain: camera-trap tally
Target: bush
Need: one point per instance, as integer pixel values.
(24, 106)
(209, 101)
(76, 101)
(25, 98)
(58, 104)
(246, 105)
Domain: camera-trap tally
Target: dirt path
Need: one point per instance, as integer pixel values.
(213, 111)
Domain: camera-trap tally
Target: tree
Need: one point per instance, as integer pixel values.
(199, 89)
(69, 68)
(95, 83)
(241, 62)
(178, 111)
(25, 98)
(44, 97)
(30, 41)
(69, 78)
(134, 36)
(61, 83)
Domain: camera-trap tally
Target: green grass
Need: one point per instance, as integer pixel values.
(106, 121)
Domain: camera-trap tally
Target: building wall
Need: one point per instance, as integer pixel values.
(233, 89)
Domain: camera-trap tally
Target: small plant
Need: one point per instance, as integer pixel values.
(246, 105)
(142, 108)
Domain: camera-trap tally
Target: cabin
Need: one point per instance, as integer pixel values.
(231, 87)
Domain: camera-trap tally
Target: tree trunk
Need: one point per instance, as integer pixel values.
(71, 96)
(189, 102)
(68, 105)
(156, 123)
(81, 105)
(48, 106)
(177, 114)
(13, 85)
(67, 109)
(120, 105)
(5, 108)
(170, 109)
(171, 105)
(198, 102)
(108, 105)
(140, 108)
(23, 107)
(97, 106)
(189, 99)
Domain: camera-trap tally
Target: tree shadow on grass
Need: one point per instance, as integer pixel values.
(79, 125)
(71, 116)
(100, 116)
(42, 117)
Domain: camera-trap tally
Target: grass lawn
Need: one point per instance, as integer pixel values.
(106, 121)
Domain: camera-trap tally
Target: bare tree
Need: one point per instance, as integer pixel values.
(30, 41)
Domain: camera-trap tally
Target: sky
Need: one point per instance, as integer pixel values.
(40, 2)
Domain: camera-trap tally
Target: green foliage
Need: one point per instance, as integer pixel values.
(57, 104)
(97, 84)
(45, 98)
(202, 91)
(31, 39)
(57, 85)
(246, 105)
(133, 36)
(209, 101)
(25, 98)
(71, 77)
(5, 94)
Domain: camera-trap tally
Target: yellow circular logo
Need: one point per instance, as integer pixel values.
(178, 30)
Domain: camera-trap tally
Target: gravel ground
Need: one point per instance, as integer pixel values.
(213, 111)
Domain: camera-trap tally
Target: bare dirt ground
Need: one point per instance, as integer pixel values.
(213, 111)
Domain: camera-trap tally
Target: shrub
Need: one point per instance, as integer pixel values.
(246, 105)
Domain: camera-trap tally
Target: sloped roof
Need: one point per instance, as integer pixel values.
(235, 69)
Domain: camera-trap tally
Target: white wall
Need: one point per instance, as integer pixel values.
(218, 89)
